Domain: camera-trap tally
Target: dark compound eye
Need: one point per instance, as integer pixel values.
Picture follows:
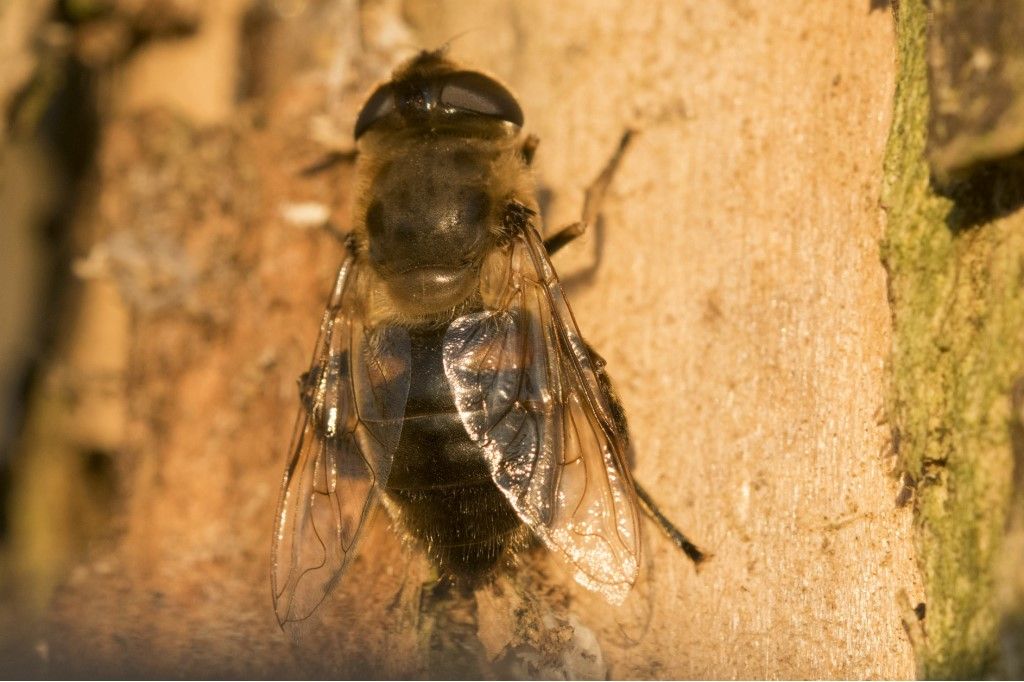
(461, 92)
(471, 92)
(380, 104)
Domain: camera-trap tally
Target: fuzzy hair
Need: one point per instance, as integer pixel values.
(508, 179)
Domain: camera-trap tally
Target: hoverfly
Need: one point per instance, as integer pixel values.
(450, 383)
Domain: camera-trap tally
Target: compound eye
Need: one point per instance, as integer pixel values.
(475, 93)
(380, 104)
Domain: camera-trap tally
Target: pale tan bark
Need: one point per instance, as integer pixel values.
(738, 297)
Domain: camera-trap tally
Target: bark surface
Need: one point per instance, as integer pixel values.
(734, 285)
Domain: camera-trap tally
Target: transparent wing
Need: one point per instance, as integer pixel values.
(526, 388)
(353, 401)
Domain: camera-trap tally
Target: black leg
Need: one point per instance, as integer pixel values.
(673, 533)
(592, 200)
(559, 239)
(328, 161)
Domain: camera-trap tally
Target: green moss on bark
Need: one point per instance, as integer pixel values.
(958, 344)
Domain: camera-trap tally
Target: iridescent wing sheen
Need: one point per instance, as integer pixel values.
(527, 389)
(345, 436)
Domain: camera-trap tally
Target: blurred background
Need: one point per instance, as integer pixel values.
(75, 285)
(57, 477)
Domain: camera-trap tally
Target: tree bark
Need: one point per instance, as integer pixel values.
(955, 273)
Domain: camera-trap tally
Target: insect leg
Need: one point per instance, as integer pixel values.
(329, 161)
(529, 148)
(592, 200)
(647, 503)
(673, 533)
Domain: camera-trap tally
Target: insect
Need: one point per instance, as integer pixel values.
(450, 383)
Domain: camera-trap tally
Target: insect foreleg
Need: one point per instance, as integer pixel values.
(329, 161)
(592, 201)
(529, 148)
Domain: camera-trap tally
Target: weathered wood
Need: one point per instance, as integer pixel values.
(734, 287)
